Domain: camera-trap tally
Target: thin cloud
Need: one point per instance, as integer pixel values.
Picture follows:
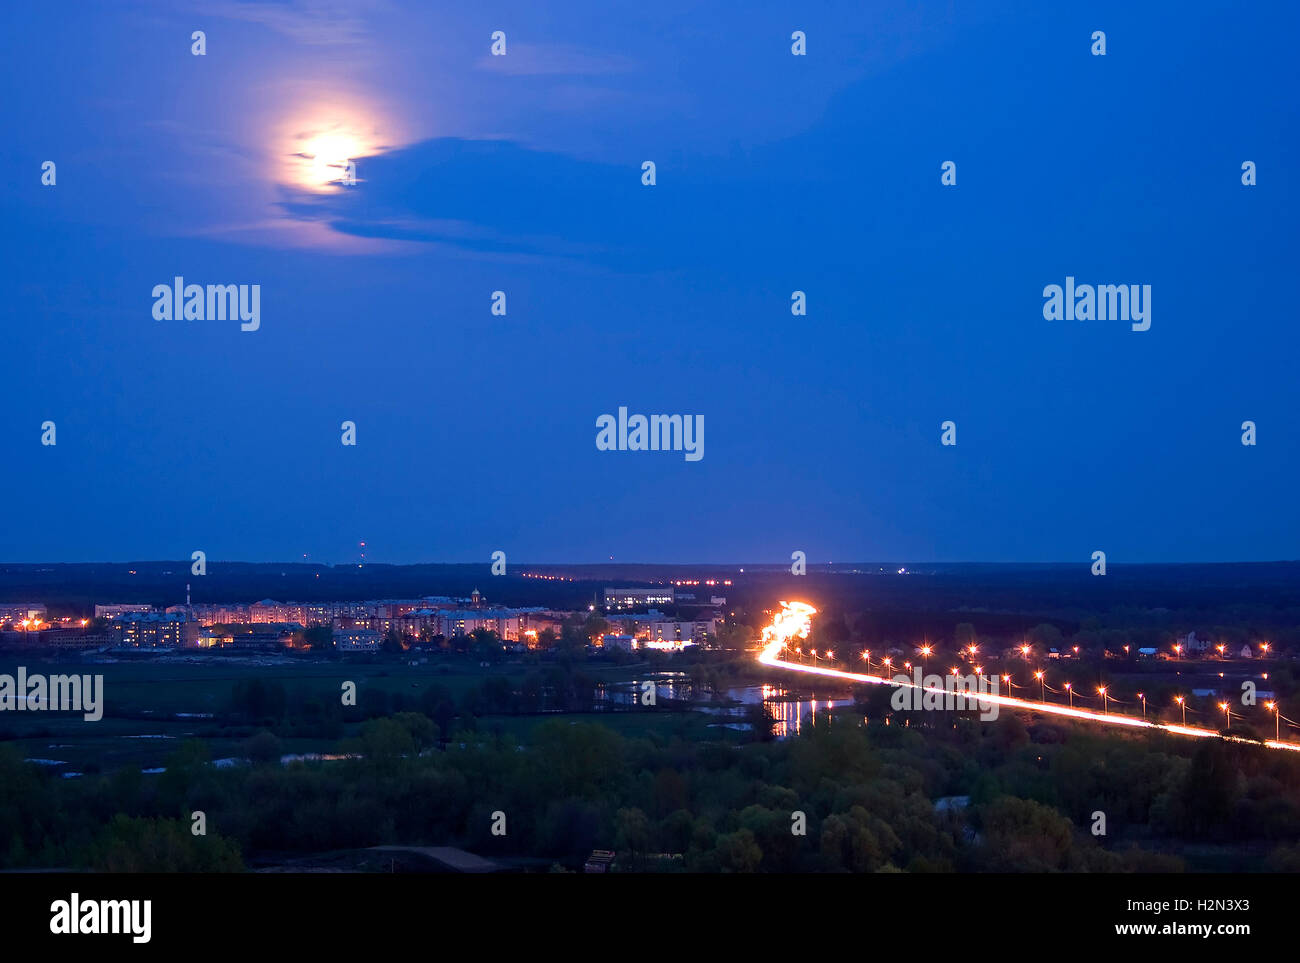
(523, 59)
(312, 22)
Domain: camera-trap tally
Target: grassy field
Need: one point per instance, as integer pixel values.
(170, 687)
(142, 698)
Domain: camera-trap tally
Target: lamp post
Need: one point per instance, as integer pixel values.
(1183, 703)
(1105, 699)
(1042, 684)
(1070, 689)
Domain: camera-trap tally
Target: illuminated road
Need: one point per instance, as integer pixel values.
(777, 636)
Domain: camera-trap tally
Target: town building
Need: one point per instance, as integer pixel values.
(15, 613)
(357, 640)
(504, 622)
(113, 611)
(152, 630)
(269, 610)
(681, 631)
(215, 613)
(1190, 643)
(635, 598)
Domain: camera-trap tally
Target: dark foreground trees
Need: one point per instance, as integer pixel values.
(918, 795)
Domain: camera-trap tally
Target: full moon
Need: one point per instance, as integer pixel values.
(327, 157)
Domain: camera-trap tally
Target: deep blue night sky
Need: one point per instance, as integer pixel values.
(775, 173)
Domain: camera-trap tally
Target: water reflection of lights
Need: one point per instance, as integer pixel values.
(790, 715)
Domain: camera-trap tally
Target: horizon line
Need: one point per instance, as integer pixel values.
(761, 566)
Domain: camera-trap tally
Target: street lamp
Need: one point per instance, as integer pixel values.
(1179, 700)
(1105, 699)
(1042, 684)
(1277, 721)
(1070, 689)
(1227, 714)
(1144, 706)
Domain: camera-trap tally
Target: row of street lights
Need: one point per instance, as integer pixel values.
(887, 662)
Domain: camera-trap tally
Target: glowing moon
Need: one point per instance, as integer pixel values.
(323, 140)
(328, 156)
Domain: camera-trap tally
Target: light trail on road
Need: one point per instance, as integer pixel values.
(793, 622)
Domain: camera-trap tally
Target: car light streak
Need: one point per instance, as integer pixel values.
(793, 623)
